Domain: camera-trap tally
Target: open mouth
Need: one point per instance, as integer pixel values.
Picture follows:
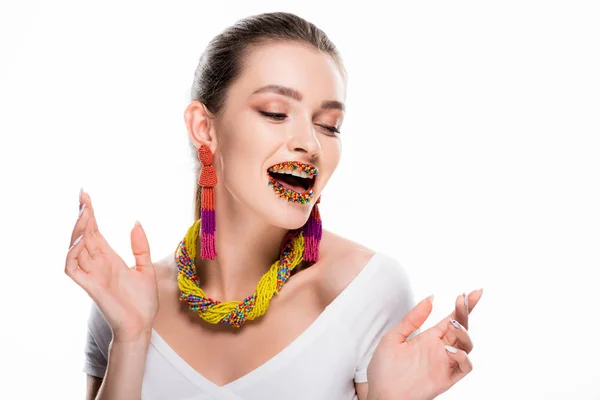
(293, 180)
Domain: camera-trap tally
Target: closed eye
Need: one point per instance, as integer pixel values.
(276, 116)
(331, 129)
(281, 117)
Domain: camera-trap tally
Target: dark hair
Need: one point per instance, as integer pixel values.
(222, 60)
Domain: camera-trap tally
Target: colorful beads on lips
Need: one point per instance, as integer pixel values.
(291, 195)
(296, 166)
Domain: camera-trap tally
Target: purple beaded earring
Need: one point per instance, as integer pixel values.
(313, 231)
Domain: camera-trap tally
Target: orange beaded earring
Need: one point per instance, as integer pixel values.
(208, 180)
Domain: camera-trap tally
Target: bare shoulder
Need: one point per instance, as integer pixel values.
(165, 268)
(166, 278)
(168, 287)
(343, 260)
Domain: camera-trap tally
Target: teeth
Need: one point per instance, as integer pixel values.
(301, 174)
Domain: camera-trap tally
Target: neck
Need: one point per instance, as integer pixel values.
(246, 246)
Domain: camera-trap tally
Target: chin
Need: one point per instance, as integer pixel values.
(288, 215)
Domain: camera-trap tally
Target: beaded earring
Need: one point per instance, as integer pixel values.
(312, 232)
(207, 181)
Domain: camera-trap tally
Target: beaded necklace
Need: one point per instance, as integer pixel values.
(234, 313)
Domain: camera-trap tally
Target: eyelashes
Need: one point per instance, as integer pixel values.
(281, 117)
(331, 129)
(275, 116)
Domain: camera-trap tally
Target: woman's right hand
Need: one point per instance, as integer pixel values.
(127, 297)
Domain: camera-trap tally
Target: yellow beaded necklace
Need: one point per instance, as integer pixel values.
(234, 313)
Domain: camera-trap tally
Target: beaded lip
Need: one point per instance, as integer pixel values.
(312, 171)
(296, 168)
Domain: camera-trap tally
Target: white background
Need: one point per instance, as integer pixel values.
(476, 124)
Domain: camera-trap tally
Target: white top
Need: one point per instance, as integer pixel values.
(322, 363)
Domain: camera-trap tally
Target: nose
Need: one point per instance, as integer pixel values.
(304, 139)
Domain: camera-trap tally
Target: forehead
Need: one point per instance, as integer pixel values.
(313, 73)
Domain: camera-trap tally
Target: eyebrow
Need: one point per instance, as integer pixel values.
(296, 95)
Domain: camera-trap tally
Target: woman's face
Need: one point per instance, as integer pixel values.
(283, 111)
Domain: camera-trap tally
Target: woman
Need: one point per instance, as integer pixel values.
(322, 317)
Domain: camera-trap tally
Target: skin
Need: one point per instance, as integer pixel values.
(245, 143)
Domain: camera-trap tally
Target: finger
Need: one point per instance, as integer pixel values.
(97, 235)
(461, 310)
(473, 299)
(79, 224)
(140, 247)
(86, 263)
(91, 242)
(457, 336)
(459, 314)
(460, 361)
(96, 243)
(413, 320)
(72, 269)
(85, 198)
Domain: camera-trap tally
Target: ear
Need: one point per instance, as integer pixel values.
(200, 125)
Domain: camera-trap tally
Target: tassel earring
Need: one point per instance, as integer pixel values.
(313, 232)
(207, 181)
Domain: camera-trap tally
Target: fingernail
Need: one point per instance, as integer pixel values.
(431, 299)
(455, 323)
(451, 349)
(80, 193)
(81, 210)
(466, 299)
(75, 242)
(137, 223)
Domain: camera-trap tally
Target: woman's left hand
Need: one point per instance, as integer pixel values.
(428, 364)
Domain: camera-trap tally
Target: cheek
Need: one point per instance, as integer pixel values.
(243, 146)
(331, 153)
(334, 151)
(248, 131)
